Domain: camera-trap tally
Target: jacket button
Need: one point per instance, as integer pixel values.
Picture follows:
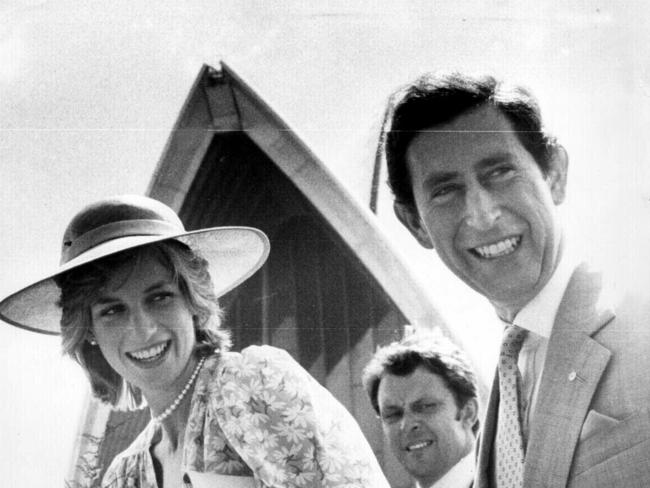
(572, 375)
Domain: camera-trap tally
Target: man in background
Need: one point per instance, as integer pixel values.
(477, 178)
(425, 393)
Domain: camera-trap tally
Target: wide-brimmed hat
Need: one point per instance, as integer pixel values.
(126, 222)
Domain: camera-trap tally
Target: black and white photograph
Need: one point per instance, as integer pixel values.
(374, 244)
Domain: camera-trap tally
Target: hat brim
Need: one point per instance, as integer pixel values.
(233, 254)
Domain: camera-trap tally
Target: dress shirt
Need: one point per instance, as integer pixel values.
(538, 317)
(460, 475)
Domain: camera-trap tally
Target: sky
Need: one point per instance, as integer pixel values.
(89, 92)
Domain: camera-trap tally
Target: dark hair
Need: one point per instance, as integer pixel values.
(434, 99)
(434, 352)
(80, 286)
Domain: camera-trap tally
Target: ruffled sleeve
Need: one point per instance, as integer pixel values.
(286, 427)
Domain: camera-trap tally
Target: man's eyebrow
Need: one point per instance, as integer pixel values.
(439, 178)
(494, 159)
(384, 406)
(427, 399)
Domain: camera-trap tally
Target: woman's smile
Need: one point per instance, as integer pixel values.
(144, 326)
(150, 354)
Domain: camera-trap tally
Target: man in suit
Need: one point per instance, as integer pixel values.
(425, 393)
(476, 178)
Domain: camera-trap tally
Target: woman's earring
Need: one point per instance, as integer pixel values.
(92, 341)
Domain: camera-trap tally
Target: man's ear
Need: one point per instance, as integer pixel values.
(469, 413)
(556, 176)
(410, 218)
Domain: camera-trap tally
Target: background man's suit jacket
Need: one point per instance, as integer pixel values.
(591, 426)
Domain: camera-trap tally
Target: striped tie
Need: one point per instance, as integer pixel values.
(509, 440)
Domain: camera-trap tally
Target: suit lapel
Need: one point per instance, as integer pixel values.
(488, 431)
(573, 367)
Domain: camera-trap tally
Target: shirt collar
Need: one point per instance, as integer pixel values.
(538, 315)
(459, 476)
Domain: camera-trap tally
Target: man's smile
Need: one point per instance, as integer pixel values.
(418, 445)
(497, 249)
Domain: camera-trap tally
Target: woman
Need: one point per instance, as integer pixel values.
(135, 299)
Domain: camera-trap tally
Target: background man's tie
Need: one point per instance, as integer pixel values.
(509, 440)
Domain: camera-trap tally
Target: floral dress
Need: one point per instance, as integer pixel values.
(259, 413)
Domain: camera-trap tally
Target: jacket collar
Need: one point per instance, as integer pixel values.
(573, 367)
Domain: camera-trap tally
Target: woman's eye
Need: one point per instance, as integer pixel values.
(500, 171)
(162, 297)
(110, 311)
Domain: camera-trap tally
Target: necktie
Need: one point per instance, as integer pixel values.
(509, 439)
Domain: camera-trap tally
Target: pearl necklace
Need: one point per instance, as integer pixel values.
(168, 411)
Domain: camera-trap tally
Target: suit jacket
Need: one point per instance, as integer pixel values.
(591, 426)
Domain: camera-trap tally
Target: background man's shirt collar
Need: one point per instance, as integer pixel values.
(459, 476)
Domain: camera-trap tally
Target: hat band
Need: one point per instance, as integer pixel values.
(115, 230)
